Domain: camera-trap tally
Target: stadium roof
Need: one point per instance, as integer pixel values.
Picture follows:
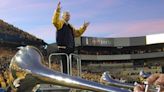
(155, 38)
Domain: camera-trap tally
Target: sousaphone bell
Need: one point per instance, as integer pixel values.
(28, 71)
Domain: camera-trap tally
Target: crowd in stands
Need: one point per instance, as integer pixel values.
(5, 76)
(124, 50)
(91, 76)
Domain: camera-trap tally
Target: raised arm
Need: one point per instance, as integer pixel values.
(81, 30)
(56, 17)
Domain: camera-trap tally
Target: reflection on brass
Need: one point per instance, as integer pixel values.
(28, 61)
(108, 80)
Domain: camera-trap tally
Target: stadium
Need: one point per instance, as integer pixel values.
(123, 57)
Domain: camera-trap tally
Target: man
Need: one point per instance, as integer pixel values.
(155, 79)
(65, 33)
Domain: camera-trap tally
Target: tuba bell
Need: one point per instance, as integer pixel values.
(28, 71)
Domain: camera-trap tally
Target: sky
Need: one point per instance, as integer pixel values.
(108, 18)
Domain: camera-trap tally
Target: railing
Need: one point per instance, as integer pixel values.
(75, 56)
(69, 62)
(60, 54)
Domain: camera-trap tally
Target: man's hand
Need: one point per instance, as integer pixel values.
(139, 88)
(155, 79)
(58, 7)
(86, 24)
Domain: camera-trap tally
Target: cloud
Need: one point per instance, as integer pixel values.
(126, 29)
(141, 28)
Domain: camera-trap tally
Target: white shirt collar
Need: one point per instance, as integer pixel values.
(65, 22)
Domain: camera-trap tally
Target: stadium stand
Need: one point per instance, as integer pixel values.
(124, 57)
(10, 38)
(15, 36)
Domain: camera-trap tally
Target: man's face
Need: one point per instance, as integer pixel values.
(66, 16)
